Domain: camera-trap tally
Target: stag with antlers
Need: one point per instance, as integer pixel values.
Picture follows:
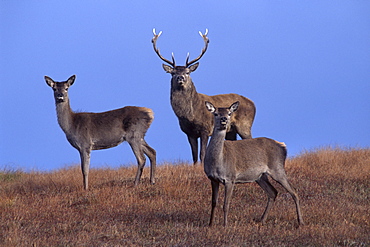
(195, 121)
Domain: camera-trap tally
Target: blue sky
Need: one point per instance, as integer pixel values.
(305, 64)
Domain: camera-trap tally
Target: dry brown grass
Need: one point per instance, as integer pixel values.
(51, 209)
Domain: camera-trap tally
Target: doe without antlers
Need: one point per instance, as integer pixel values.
(88, 131)
(244, 161)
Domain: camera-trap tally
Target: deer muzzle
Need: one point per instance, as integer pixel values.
(59, 97)
(223, 123)
(180, 80)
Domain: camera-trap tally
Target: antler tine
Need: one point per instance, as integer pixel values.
(156, 35)
(206, 41)
(173, 60)
(154, 41)
(187, 59)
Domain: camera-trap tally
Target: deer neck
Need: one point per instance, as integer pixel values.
(216, 146)
(64, 115)
(185, 101)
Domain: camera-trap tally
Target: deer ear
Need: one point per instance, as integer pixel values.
(193, 67)
(234, 106)
(71, 80)
(210, 107)
(167, 68)
(49, 81)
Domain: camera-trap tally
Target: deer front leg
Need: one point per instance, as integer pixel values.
(228, 193)
(194, 148)
(203, 147)
(85, 164)
(215, 188)
(231, 135)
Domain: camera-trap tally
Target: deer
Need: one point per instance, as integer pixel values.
(188, 105)
(244, 161)
(88, 131)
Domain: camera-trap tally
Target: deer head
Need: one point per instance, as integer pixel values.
(180, 74)
(222, 115)
(60, 88)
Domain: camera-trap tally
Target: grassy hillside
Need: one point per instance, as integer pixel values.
(51, 209)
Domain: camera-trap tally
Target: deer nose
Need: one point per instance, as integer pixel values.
(223, 120)
(180, 78)
(59, 97)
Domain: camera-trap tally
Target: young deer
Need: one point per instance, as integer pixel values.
(188, 105)
(87, 131)
(244, 161)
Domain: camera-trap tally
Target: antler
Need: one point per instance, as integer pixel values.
(206, 41)
(154, 41)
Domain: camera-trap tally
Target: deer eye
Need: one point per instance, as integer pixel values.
(216, 114)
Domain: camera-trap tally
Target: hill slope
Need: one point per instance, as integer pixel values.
(50, 209)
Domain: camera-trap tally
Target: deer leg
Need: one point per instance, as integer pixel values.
(151, 153)
(245, 133)
(282, 179)
(215, 188)
(228, 193)
(231, 135)
(139, 154)
(203, 147)
(271, 194)
(194, 148)
(85, 164)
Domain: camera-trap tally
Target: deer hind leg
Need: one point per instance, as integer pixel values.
(271, 194)
(215, 188)
(151, 153)
(194, 148)
(136, 147)
(247, 135)
(281, 178)
(244, 131)
(85, 165)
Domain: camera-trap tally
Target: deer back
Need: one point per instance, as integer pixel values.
(128, 118)
(108, 129)
(257, 154)
(243, 116)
